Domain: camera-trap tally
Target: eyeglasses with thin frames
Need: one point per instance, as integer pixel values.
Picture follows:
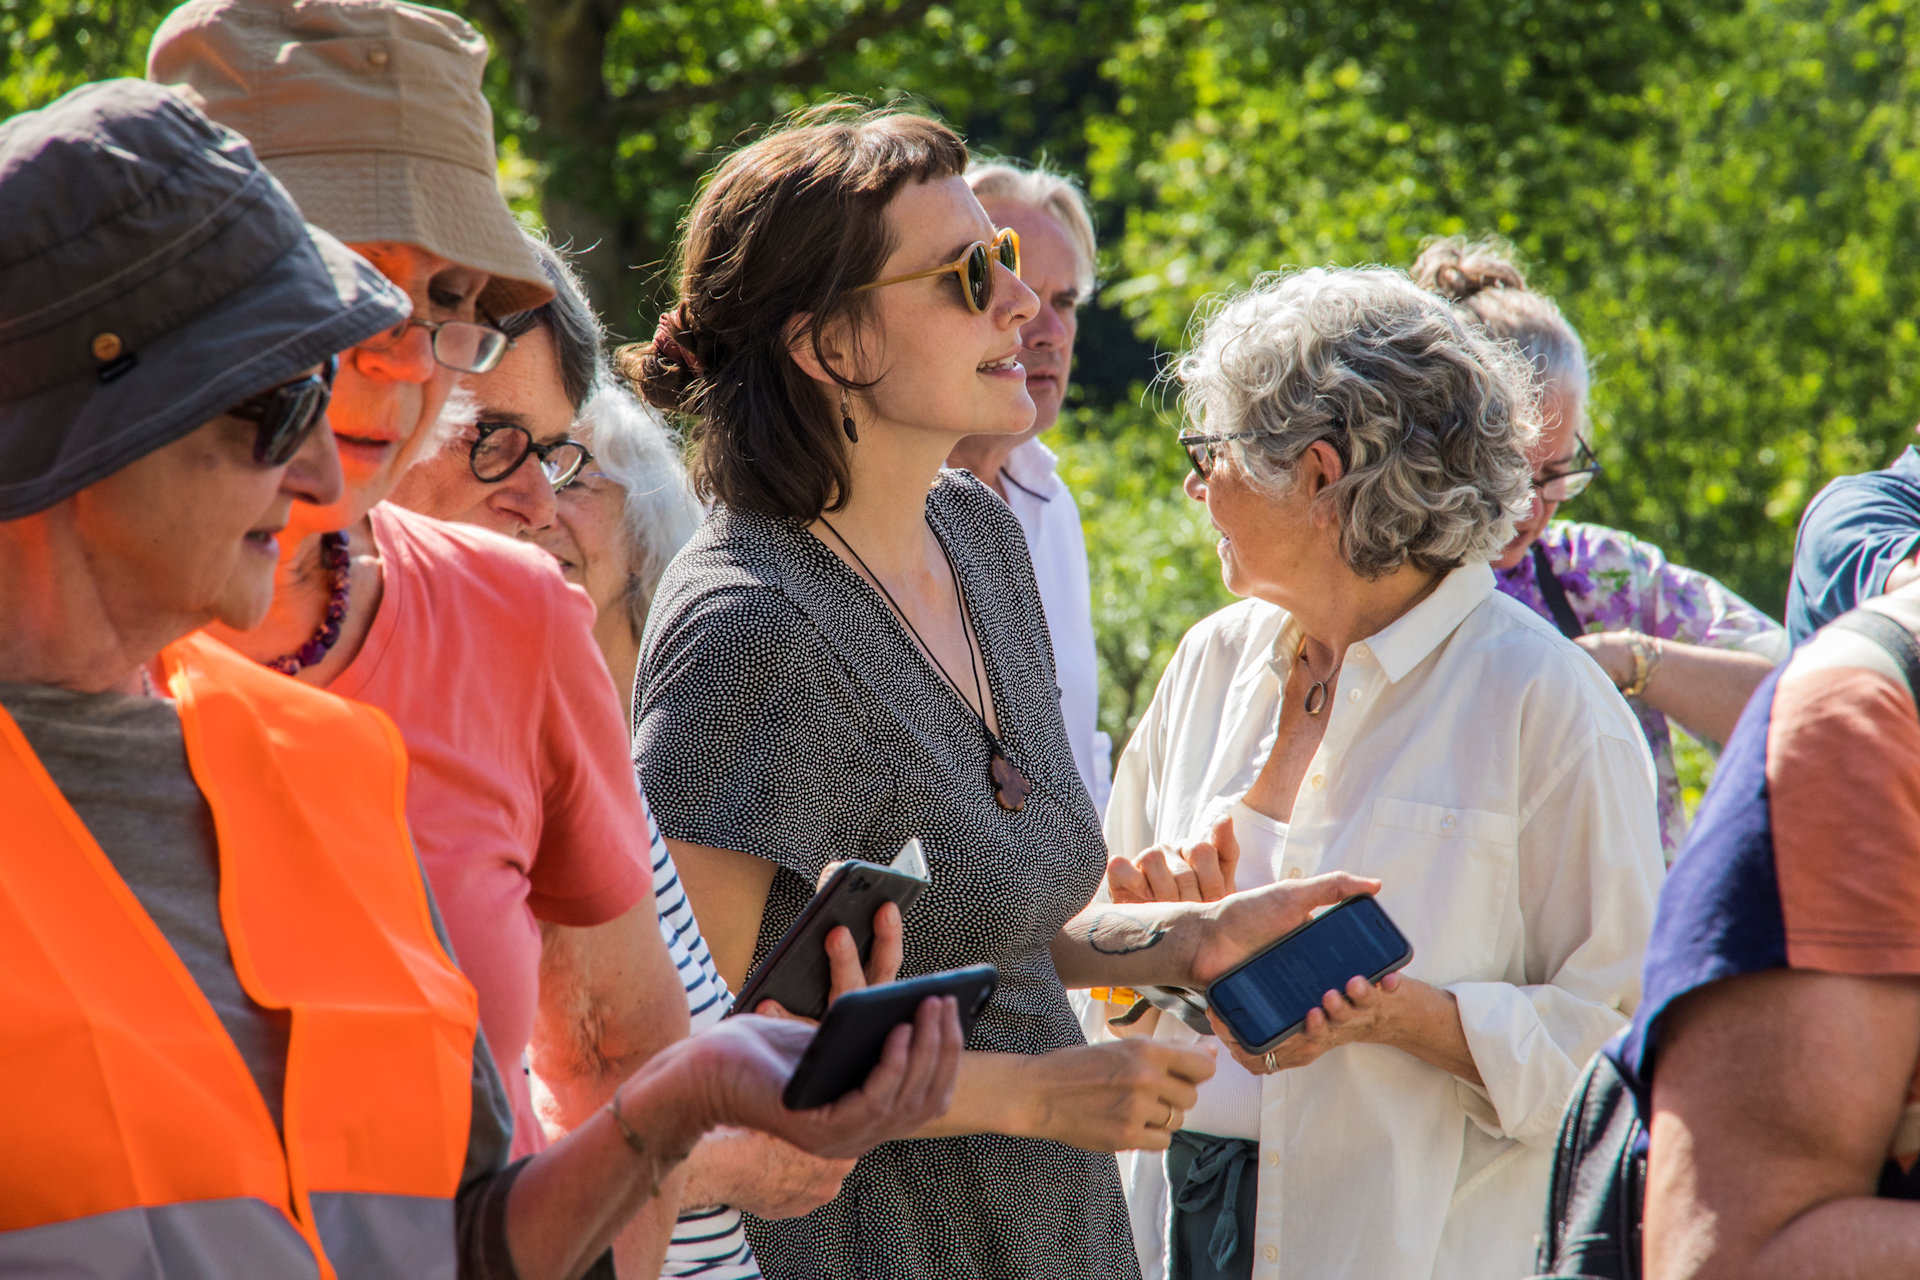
(1571, 483)
(457, 344)
(974, 267)
(500, 447)
(1204, 450)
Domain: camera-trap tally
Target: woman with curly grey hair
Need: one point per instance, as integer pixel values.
(1375, 706)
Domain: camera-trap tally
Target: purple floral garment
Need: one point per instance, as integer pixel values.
(1614, 581)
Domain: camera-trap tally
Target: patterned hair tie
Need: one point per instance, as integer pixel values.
(666, 343)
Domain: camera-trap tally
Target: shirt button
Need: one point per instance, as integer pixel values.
(1446, 823)
(1270, 1253)
(1293, 873)
(1273, 1159)
(1353, 695)
(1319, 780)
(377, 56)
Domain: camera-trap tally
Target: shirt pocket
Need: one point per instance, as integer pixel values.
(1444, 874)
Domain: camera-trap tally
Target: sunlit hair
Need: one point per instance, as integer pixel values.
(633, 447)
(791, 225)
(1431, 417)
(568, 318)
(1481, 278)
(1055, 194)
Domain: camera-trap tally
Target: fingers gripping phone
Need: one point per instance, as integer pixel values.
(796, 972)
(851, 1039)
(1266, 998)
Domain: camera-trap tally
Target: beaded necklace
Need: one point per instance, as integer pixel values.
(336, 560)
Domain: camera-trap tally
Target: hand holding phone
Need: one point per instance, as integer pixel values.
(798, 972)
(1267, 998)
(854, 1036)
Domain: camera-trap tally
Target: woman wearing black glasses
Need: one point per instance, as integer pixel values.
(1673, 640)
(852, 651)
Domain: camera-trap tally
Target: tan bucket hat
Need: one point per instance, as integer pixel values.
(370, 112)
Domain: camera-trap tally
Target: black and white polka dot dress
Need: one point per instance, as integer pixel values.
(781, 710)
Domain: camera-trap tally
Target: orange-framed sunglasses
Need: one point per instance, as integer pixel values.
(974, 267)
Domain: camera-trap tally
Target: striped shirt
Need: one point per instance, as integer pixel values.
(706, 1242)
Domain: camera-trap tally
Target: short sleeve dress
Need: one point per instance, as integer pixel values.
(782, 711)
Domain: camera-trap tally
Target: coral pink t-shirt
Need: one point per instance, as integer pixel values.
(521, 795)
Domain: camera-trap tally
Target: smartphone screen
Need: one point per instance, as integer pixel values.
(1268, 997)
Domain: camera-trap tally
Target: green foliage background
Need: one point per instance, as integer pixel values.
(1723, 195)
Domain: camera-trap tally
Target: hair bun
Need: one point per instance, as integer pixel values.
(1457, 270)
(663, 372)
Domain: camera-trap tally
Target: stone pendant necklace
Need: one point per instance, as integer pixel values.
(1010, 786)
(1316, 699)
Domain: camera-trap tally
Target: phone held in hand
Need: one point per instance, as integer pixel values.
(796, 972)
(1266, 998)
(854, 1033)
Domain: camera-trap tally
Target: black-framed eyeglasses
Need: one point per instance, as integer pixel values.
(500, 447)
(458, 344)
(1571, 483)
(1203, 450)
(287, 414)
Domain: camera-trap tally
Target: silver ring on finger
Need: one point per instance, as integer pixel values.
(1273, 1063)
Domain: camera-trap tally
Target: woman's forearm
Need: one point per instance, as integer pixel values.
(1426, 1024)
(1704, 689)
(994, 1094)
(1147, 944)
(573, 1198)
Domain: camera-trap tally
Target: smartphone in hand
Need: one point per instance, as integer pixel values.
(796, 972)
(1266, 998)
(854, 1033)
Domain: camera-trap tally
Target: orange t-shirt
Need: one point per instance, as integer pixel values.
(521, 795)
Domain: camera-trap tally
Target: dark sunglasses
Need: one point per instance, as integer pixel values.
(974, 267)
(1204, 450)
(500, 447)
(456, 344)
(1573, 482)
(287, 414)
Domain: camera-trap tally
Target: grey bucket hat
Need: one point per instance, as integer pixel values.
(152, 275)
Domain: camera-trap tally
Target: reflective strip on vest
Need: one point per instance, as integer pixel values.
(119, 1087)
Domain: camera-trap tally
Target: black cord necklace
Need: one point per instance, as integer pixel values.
(1010, 786)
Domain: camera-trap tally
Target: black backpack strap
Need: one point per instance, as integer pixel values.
(1555, 595)
(1898, 642)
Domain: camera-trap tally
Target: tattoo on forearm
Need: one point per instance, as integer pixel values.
(1113, 933)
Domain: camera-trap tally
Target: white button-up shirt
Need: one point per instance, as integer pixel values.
(1486, 771)
(1051, 520)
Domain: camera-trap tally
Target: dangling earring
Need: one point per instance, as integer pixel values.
(846, 417)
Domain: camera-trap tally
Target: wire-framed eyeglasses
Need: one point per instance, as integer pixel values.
(456, 344)
(1572, 482)
(1204, 450)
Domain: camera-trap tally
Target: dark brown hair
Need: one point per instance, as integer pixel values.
(791, 224)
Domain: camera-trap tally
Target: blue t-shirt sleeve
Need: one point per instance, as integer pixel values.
(1854, 532)
(1719, 914)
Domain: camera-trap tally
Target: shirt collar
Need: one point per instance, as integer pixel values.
(1031, 466)
(1404, 643)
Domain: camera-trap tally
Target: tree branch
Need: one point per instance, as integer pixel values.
(643, 107)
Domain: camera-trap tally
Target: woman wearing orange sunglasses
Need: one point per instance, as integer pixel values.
(852, 651)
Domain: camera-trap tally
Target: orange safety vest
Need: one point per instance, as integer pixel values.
(119, 1087)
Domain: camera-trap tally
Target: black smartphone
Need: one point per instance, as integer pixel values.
(853, 1035)
(1267, 997)
(795, 972)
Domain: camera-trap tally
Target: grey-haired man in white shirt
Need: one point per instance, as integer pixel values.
(1057, 262)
